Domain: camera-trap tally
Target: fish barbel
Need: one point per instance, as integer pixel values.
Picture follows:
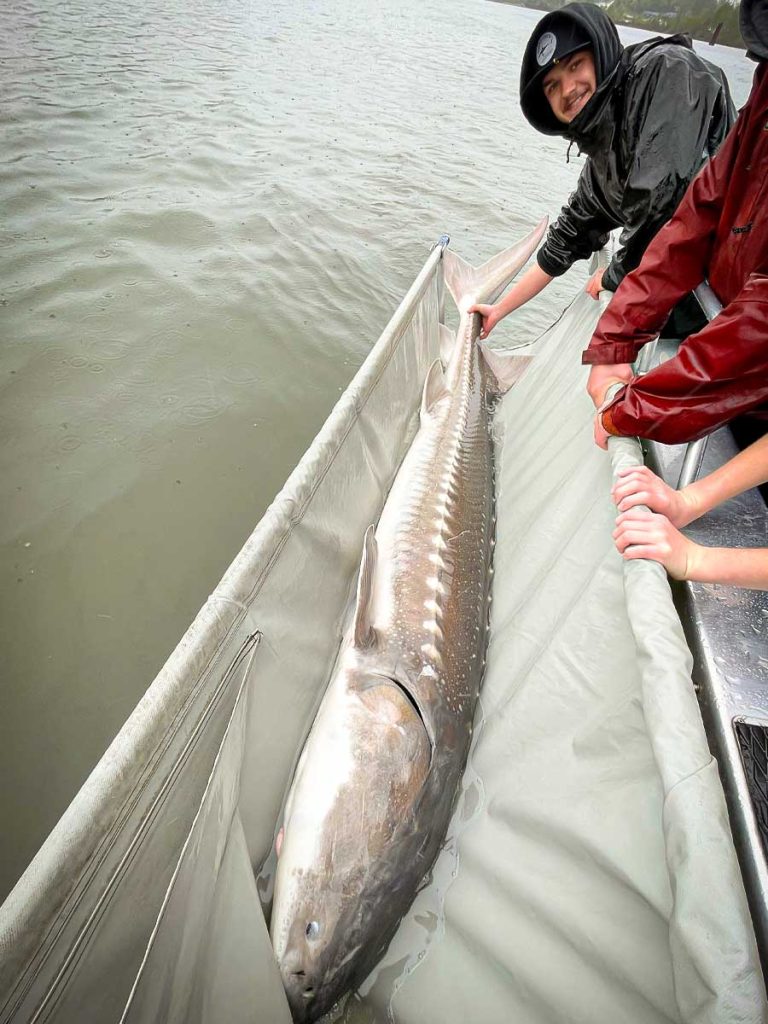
(377, 779)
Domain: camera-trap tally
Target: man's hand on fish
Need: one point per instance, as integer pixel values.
(603, 375)
(490, 316)
(595, 284)
(530, 284)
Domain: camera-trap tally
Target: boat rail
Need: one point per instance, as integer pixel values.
(725, 628)
(694, 453)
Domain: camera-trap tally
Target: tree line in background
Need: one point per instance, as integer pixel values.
(698, 18)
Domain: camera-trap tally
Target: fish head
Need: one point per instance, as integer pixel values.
(349, 861)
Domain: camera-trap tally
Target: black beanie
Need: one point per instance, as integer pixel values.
(560, 38)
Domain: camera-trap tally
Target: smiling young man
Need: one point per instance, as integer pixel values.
(569, 84)
(647, 116)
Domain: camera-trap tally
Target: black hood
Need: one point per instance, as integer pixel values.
(581, 20)
(753, 22)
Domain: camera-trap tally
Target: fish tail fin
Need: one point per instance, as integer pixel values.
(469, 285)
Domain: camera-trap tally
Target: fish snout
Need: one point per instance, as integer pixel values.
(302, 986)
(302, 996)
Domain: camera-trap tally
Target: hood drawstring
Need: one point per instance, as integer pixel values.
(568, 151)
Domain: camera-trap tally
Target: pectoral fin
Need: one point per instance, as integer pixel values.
(364, 633)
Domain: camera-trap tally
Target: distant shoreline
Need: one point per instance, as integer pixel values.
(700, 24)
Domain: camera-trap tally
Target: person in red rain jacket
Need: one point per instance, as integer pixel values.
(718, 232)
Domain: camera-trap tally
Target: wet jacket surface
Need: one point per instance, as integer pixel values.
(720, 232)
(658, 113)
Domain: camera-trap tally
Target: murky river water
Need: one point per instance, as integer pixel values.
(210, 211)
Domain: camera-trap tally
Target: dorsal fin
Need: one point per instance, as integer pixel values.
(434, 388)
(364, 633)
(447, 344)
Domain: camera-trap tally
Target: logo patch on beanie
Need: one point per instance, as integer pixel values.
(545, 48)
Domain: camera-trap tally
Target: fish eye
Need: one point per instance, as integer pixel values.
(312, 930)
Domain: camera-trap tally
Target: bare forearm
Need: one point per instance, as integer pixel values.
(747, 469)
(737, 567)
(641, 533)
(531, 283)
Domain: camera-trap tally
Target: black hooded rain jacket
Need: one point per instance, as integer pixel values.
(658, 113)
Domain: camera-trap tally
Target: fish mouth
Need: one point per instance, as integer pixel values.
(309, 1002)
(311, 985)
(302, 993)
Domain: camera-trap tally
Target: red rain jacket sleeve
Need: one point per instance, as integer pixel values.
(674, 264)
(718, 374)
(722, 371)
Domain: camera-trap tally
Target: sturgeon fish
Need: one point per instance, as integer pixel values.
(377, 779)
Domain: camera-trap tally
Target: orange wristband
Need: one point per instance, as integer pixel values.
(608, 425)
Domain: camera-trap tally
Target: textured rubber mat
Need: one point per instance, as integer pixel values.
(753, 743)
